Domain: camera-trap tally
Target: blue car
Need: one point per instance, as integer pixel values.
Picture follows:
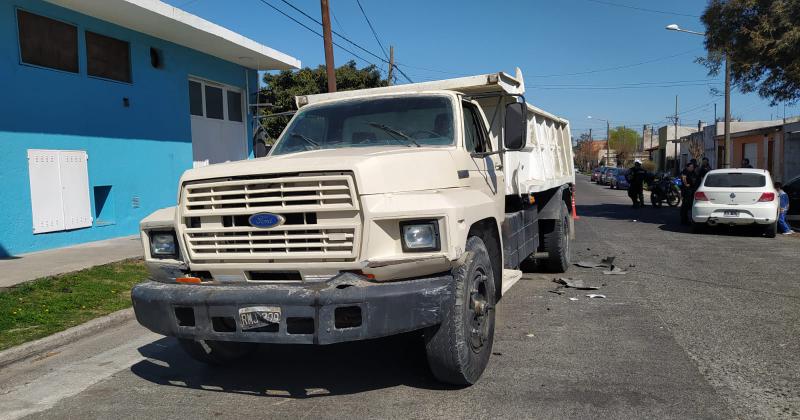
(620, 180)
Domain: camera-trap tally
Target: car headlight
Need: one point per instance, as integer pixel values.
(420, 235)
(163, 245)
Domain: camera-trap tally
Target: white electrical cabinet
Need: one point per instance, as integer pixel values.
(59, 181)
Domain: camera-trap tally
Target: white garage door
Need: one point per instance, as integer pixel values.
(218, 128)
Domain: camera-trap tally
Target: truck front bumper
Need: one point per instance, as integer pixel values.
(346, 308)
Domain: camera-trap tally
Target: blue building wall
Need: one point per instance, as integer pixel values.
(140, 150)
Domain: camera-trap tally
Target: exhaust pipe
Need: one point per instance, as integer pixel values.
(712, 222)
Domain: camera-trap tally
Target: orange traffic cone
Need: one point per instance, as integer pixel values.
(574, 208)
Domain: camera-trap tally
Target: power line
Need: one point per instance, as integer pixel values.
(375, 34)
(317, 33)
(624, 66)
(642, 9)
(335, 33)
(633, 83)
(618, 87)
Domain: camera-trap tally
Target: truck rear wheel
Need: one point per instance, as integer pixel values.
(458, 349)
(218, 353)
(557, 244)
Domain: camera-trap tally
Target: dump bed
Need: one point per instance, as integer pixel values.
(545, 162)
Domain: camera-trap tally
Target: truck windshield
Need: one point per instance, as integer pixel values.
(411, 121)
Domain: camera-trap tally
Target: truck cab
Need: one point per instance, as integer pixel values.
(376, 212)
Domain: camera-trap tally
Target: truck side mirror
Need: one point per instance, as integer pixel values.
(516, 126)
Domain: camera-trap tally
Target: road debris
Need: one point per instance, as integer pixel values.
(595, 296)
(529, 335)
(589, 264)
(573, 299)
(615, 271)
(606, 262)
(558, 291)
(574, 283)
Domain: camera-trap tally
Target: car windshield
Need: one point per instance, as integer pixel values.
(735, 180)
(404, 121)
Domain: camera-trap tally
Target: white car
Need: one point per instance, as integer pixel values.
(736, 197)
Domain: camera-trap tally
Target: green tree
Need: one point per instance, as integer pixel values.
(624, 142)
(762, 42)
(583, 151)
(281, 88)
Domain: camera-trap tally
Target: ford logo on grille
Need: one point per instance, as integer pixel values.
(266, 220)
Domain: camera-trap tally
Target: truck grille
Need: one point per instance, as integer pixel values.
(274, 194)
(320, 211)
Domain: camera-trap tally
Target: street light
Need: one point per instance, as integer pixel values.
(728, 146)
(608, 137)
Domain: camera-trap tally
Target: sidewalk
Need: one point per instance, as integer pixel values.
(26, 267)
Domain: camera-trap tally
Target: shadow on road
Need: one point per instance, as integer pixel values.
(668, 218)
(295, 371)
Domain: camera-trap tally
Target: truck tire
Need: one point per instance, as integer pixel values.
(458, 349)
(217, 353)
(557, 244)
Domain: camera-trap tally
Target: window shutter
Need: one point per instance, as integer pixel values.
(59, 182)
(75, 189)
(46, 203)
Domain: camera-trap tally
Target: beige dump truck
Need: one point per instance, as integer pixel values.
(377, 212)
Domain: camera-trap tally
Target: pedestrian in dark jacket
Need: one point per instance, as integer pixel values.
(690, 182)
(636, 176)
(705, 168)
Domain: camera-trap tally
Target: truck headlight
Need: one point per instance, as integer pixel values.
(420, 235)
(163, 245)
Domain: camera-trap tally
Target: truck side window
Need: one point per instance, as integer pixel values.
(474, 136)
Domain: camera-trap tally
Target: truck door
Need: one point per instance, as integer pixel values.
(486, 172)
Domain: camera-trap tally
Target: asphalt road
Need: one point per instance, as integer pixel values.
(702, 326)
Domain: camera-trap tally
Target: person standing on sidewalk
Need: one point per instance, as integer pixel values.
(704, 168)
(783, 199)
(689, 179)
(636, 177)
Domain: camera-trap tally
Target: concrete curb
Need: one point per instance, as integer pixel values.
(33, 348)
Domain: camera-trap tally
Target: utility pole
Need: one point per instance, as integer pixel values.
(728, 146)
(644, 128)
(608, 142)
(676, 136)
(674, 118)
(391, 64)
(327, 39)
(700, 136)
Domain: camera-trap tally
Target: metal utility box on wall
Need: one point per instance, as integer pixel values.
(59, 181)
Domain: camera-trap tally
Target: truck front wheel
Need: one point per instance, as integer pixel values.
(217, 353)
(459, 348)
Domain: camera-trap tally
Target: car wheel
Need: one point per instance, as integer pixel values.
(771, 230)
(218, 353)
(698, 228)
(458, 349)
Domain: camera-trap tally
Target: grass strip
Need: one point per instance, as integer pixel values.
(45, 306)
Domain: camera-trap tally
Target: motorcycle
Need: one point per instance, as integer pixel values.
(667, 189)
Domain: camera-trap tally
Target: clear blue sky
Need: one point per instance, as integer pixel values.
(549, 40)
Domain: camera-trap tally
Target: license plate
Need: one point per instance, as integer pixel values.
(259, 316)
(731, 213)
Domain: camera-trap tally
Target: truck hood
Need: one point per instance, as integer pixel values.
(377, 169)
